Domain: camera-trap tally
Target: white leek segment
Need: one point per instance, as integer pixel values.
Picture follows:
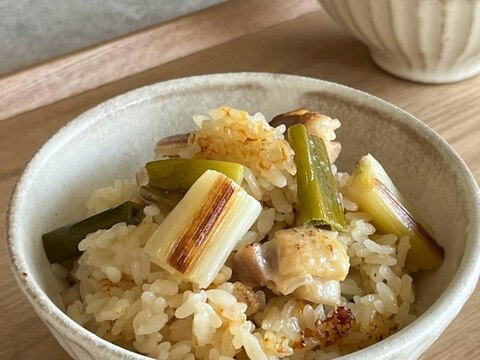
(374, 192)
(199, 234)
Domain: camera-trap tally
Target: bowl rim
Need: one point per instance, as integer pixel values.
(448, 304)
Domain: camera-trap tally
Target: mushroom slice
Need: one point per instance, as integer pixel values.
(317, 124)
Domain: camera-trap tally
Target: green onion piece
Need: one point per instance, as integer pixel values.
(318, 197)
(62, 244)
(172, 174)
(165, 199)
(374, 192)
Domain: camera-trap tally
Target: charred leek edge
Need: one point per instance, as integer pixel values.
(374, 192)
(199, 234)
(171, 145)
(164, 199)
(62, 244)
(172, 174)
(383, 178)
(318, 198)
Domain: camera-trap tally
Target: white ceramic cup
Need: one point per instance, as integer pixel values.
(430, 41)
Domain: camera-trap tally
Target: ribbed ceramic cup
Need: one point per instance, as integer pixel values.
(431, 41)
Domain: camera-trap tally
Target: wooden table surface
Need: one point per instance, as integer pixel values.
(245, 35)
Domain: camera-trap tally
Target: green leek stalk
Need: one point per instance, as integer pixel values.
(172, 174)
(62, 244)
(374, 192)
(318, 199)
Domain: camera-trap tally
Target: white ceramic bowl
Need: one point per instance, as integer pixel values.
(115, 138)
(432, 41)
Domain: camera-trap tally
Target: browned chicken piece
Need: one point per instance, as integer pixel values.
(311, 251)
(317, 124)
(250, 265)
(305, 261)
(320, 291)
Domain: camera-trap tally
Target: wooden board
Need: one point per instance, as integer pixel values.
(101, 64)
(277, 37)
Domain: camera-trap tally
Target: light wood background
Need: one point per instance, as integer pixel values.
(265, 35)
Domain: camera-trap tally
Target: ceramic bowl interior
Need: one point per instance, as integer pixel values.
(113, 140)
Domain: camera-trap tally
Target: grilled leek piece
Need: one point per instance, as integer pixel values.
(173, 174)
(318, 199)
(62, 244)
(171, 145)
(196, 238)
(374, 192)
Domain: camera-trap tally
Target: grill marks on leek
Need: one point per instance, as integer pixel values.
(172, 174)
(189, 247)
(199, 234)
(374, 192)
(318, 199)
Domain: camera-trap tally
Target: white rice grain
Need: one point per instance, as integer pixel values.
(401, 317)
(380, 259)
(388, 239)
(406, 291)
(113, 273)
(59, 271)
(221, 297)
(151, 210)
(164, 287)
(349, 205)
(388, 297)
(403, 247)
(350, 287)
(265, 220)
(379, 249)
(279, 202)
(252, 182)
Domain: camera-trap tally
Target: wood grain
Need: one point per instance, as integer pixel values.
(309, 44)
(88, 69)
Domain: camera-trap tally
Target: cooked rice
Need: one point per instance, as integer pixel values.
(110, 196)
(124, 298)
